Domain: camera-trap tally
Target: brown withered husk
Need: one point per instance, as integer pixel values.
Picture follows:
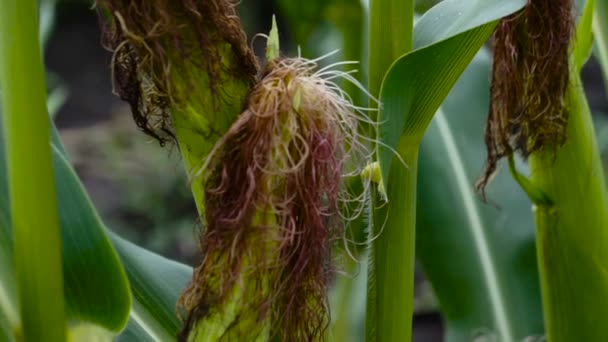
(530, 76)
(272, 188)
(152, 38)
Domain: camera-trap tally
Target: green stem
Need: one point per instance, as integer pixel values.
(572, 234)
(391, 259)
(391, 35)
(31, 181)
(391, 271)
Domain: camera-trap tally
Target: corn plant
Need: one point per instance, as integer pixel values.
(282, 164)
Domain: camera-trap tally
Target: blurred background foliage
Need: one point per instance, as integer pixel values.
(141, 189)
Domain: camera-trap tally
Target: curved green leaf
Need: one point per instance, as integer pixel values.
(96, 287)
(584, 35)
(156, 284)
(412, 91)
(8, 299)
(482, 253)
(600, 30)
(95, 284)
(155, 281)
(446, 39)
(5, 329)
(453, 17)
(91, 285)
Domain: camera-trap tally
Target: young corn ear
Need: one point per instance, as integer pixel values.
(272, 190)
(268, 183)
(530, 77)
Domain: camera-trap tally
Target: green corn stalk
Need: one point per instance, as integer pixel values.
(37, 244)
(390, 289)
(412, 91)
(572, 228)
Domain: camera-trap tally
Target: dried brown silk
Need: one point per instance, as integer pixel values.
(272, 206)
(148, 37)
(530, 76)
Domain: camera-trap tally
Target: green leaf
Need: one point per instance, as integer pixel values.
(600, 29)
(9, 312)
(95, 284)
(480, 258)
(6, 333)
(134, 333)
(37, 242)
(446, 38)
(572, 262)
(453, 17)
(156, 284)
(90, 263)
(584, 36)
(155, 281)
(47, 10)
(412, 91)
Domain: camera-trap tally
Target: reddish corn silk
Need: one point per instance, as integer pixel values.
(273, 186)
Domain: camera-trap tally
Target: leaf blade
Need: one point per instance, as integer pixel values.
(443, 48)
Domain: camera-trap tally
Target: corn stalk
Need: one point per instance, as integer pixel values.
(37, 244)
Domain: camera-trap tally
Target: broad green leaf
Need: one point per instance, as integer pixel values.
(303, 16)
(90, 263)
(5, 329)
(95, 284)
(156, 284)
(9, 316)
(446, 38)
(584, 36)
(411, 92)
(453, 17)
(480, 258)
(155, 281)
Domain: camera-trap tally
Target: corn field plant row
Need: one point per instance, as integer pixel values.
(284, 168)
